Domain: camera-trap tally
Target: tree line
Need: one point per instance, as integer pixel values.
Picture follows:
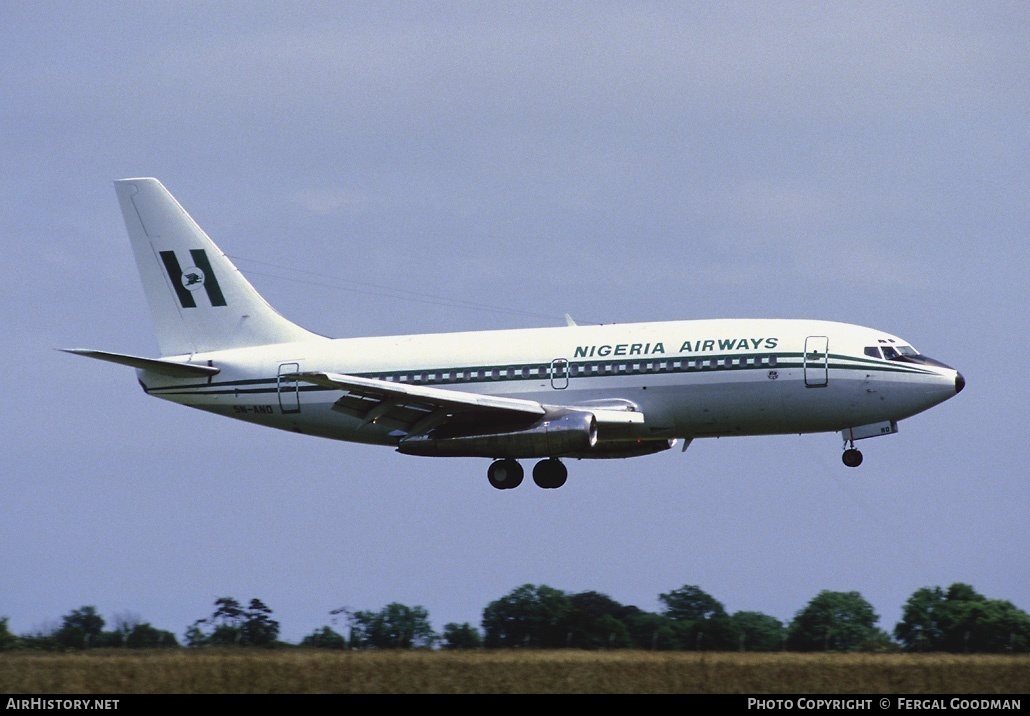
(957, 619)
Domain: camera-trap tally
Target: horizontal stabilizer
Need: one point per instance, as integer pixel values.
(166, 367)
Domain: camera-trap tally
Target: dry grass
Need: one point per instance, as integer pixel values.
(304, 671)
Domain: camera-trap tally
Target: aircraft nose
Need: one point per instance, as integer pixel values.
(960, 382)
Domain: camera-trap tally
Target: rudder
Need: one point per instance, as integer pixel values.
(198, 299)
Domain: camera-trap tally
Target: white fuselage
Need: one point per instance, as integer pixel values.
(689, 379)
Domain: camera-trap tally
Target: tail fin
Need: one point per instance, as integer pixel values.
(198, 299)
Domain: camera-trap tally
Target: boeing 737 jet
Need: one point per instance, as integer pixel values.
(547, 394)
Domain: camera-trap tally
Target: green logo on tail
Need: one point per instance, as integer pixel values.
(199, 275)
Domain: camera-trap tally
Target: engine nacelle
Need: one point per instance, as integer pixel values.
(634, 448)
(554, 435)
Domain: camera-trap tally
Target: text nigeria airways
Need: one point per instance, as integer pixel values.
(698, 346)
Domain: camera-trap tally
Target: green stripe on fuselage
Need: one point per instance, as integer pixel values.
(575, 371)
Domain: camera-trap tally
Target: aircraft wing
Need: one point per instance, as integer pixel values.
(413, 409)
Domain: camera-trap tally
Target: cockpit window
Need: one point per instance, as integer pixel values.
(873, 352)
(904, 354)
(898, 352)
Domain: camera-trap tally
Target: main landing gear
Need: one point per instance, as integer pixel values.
(507, 474)
(851, 456)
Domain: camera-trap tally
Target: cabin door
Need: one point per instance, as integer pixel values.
(288, 388)
(816, 361)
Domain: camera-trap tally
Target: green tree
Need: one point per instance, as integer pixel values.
(594, 621)
(83, 628)
(8, 641)
(145, 636)
(758, 632)
(528, 616)
(41, 638)
(707, 625)
(222, 628)
(655, 632)
(920, 628)
(396, 626)
(961, 620)
(122, 625)
(691, 604)
(834, 621)
(461, 636)
(259, 629)
(324, 638)
(233, 625)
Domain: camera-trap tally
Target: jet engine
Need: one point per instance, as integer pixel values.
(559, 433)
(634, 448)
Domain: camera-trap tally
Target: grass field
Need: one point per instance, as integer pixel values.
(303, 671)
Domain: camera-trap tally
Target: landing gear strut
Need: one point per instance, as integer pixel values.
(504, 474)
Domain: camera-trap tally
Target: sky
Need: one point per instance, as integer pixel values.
(385, 168)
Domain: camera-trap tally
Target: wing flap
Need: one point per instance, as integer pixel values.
(404, 394)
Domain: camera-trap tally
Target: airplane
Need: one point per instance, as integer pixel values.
(547, 394)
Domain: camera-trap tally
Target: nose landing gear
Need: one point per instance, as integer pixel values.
(851, 456)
